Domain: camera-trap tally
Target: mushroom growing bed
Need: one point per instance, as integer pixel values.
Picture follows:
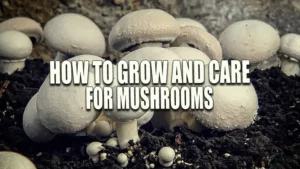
(271, 142)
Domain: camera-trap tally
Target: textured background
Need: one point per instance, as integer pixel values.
(214, 14)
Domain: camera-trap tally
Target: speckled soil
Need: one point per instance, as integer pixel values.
(273, 141)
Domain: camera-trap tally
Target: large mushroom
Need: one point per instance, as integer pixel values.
(147, 27)
(251, 40)
(62, 108)
(200, 39)
(26, 25)
(12, 160)
(190, 22)
(15, 47)
(32, 125)
(73, 34)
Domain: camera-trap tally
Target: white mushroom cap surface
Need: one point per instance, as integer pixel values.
(251, 40)
(187, 53)
(199, 39)
(235, 107)
(74, 34)
(26, 25)
(94, 148)
(32, 125)
(190, 22)
(289, 45)
(14, 45)
(122, 159)
(12, 160)
(166, 156)
(102, 129)
(62, 108)
(145, 118)
(147, 25)
(113, 142)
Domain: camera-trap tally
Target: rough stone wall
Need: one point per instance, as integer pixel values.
(214, 14)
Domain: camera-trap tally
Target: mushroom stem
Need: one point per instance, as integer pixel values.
(10, 66)
(146, 44)
(127, 131)
(290, 67)
(61, 56)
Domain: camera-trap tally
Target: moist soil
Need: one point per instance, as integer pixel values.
(273, 141)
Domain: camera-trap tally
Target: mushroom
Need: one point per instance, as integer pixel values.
(126, 122)
(147, 27)
(32, 125)
(273, 61)
(251, 40)
(166, 156)
(235, 107)
(25, 25)
(289, 45)
(113, 142)
(187, 53)
(145, 118)
(122, 160)
(12, 160)
(190, 22)
(73, 34)
(201, 40)
(15, 47)
(93, 150)
(62, 108)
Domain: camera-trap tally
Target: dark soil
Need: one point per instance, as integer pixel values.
(273, 141)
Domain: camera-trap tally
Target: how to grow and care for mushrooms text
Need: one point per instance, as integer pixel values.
(133, 85)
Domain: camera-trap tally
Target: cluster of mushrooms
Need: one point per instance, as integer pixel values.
(149, 34)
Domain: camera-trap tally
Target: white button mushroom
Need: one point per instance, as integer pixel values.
(166, 156)
(251, 40)
(103, 129)
(201, 40)
(15, 47)
(122, 160)
(289, 45)
(147, 27)
(190, 22)
(62, 108)
(12, 160)
(235, 107)
(93, 150)
(187, 53)
(73, 34)
(32, 125)
(113, 142)
(26, 25)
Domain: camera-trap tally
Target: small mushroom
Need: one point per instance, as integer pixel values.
(103, 129)
(12, 160)
(235, 107)
(289, 45)
(113, 142)
(190, 22)
(62, 108)
(251, 40)
(15, 47)
(166, 156)
(32, 125)
(93, 150)
(147, 27)
(122, 160)
(73, 34)
(25, 25)
(201, 40)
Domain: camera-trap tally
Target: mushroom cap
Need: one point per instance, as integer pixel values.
(103, 128)
(94, 148)
(122, 158)
(147, 25)
(26, 25)
(190, 22)
(32, 125)
(251, 40)
(289, 45)
(154, 54)
(62, 107)
(113, 142)
(187, 53)
(74, 34)
(14, 45)
(199, 39)
(166, 154)
(12, 160)
(145, 118)
(235, 107)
